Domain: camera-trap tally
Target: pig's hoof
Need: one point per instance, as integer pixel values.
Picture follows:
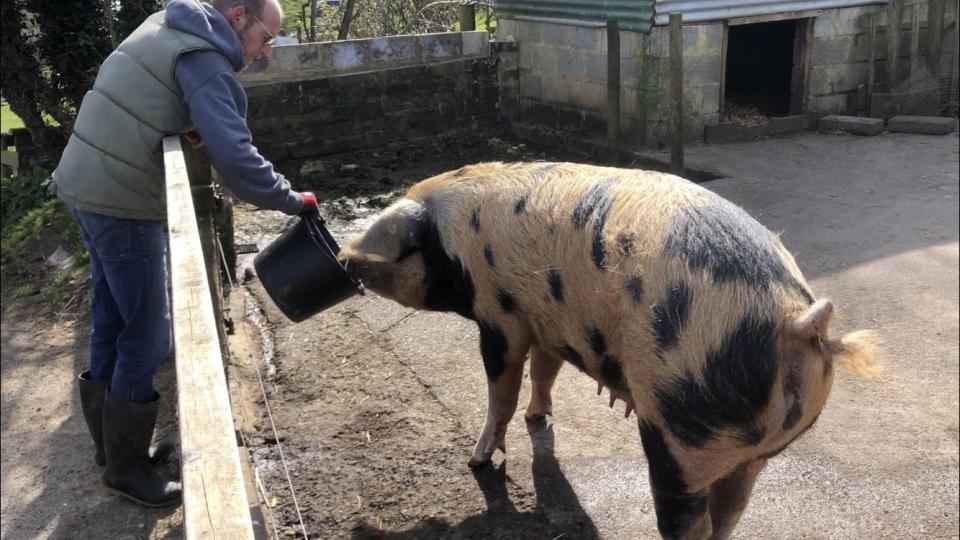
(478, 462)
(535, 417)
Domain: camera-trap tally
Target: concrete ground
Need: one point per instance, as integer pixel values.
(873, 223)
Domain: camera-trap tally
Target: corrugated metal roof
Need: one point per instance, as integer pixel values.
(634, 15)
(714, 10)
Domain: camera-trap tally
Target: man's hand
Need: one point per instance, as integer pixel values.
(310, 204)
(193, 136)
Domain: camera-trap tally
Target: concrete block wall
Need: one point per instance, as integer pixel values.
(319, 99)
(839, 54)
(838, 60)
(563, 78)
(315, 60)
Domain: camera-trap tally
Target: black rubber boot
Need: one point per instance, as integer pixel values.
(127, 430)
(91, 401)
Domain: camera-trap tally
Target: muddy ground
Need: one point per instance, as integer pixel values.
(377, 406)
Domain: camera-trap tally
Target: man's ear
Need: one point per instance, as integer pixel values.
(394, 235)
(234, 16)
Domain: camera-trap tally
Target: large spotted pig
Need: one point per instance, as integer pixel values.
(672, 297)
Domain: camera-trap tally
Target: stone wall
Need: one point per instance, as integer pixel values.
(317, 99)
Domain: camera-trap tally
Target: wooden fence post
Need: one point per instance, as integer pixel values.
(613, 91)
(676, 91)
(205, 205)
(935, 16)
(894, 10)
(915, 39)
(468, 18)
(871, 57)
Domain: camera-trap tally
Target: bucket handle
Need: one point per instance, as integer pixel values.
(314, 223)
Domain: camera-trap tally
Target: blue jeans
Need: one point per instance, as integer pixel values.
(131, 309)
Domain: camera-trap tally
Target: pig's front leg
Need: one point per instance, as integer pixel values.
(543, 372)
(503, 358)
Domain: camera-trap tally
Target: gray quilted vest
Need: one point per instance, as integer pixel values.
(113, 162)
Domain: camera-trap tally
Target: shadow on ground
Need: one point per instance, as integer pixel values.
(558, 510)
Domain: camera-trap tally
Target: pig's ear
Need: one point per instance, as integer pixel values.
(813, 322)
(394, 235)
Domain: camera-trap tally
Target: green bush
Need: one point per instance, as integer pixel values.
(34, 225)
(22, 193)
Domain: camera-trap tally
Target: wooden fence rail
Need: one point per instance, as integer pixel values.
(214, 497)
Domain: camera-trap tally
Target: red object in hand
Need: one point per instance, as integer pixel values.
(309, 202)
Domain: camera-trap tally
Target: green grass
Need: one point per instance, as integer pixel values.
(9, 120)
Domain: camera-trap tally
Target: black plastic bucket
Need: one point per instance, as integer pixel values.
(301, 273)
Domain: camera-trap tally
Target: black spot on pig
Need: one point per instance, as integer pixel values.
(626, 244)
(596, 201)
(571, 355)
(610, 369)
(449, 286)
(475, 220)
(723, 239)
(793, 416)
(676, 509)
(488, 254)
(520, 205)
(598, 343)
(670, 315)
(493, 349)
(797, 436)
(556, 285)
(737, 381)
(612, 372)
(791, 388)
(507, 302)
(634, 286)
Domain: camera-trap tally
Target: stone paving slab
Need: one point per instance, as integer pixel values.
(926, 125)
(851, 124)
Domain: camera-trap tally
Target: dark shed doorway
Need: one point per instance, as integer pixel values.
(763, 68)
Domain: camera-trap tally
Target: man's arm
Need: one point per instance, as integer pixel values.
(212, 95)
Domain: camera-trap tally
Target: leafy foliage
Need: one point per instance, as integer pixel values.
(51, 52)
(373, 18)
(131, 14)
(22, 193)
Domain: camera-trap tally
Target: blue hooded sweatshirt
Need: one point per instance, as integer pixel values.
(217, 105)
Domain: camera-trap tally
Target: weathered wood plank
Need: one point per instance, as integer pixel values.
(676, 92)
(214, 498)
(613, 91)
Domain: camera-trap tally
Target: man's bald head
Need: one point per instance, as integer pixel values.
(253, 6)
(256, 22)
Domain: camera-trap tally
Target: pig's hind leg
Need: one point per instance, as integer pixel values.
(503, 357)
(543, 373)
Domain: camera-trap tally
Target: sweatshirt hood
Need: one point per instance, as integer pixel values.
(205, 22)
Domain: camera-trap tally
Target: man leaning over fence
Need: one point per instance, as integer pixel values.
(176, 73)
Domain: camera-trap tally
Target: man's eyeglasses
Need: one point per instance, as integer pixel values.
(270, 41)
